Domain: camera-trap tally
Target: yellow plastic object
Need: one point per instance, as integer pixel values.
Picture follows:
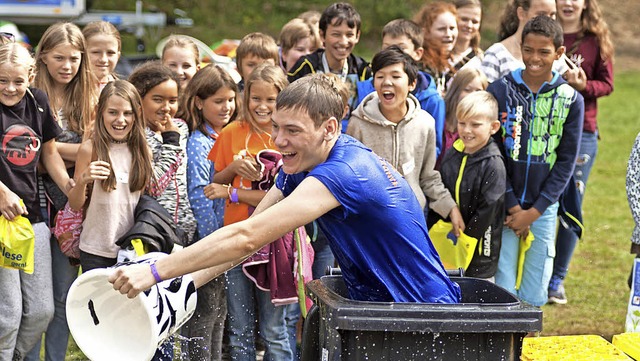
(628, 342)
(570, 348)
(455, 252)
(525, 244)
(17, 243)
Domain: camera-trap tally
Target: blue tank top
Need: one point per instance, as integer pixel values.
(378, 233)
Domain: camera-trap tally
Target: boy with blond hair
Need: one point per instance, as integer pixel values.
(253, 50)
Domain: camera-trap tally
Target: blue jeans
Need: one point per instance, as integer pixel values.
(57, 334)
(242, 298)
(538, 263)
(567, 240)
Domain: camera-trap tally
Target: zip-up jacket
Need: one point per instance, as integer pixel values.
(428, 96)
(479, 181)
(540, 138)
(408, 145)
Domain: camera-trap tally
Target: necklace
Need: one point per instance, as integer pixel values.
(119, 141)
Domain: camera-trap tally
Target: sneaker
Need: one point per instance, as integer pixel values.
(556, 293)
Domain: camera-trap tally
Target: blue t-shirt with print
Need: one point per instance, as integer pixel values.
(378, 233)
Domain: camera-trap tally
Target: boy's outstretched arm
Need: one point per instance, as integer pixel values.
(226, 247)
(55, 166)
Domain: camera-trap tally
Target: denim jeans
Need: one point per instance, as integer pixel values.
(57, 334)
(567, 240)
(242, 298)
(538, 263)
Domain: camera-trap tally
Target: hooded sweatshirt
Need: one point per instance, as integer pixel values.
(409, 146)
(428, 96)
(481, 187)
(540, 138)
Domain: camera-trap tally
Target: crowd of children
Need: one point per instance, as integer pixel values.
(486, 140)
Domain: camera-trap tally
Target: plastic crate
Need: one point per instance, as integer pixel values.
(629, 343)
(573, 348)
(489, 324)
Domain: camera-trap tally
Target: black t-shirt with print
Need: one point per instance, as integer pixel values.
(24, 128)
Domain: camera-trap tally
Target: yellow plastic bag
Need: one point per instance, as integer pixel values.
(525, 244)
(455, 252)
(17, 242)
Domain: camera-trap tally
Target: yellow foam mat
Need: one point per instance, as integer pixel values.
(629, 343)
(570, 348)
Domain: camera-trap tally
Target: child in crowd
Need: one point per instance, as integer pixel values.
(167, 137)
(340, 32)
(233, 155)
(633, 198)
(255, 49)
(106, 161)
(408, 36)
(27, 132)
(589, 47)
(103, 47)
(182, 56)
(297, 39)
(391, 123)
(440, 24)
(63, 72)
(465, 82)
(209, 102)
(542, 120)
(473, 172)
(467, 44)
(506, 56)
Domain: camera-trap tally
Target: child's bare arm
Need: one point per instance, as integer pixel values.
(55, 166)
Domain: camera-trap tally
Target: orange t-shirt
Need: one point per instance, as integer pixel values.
(237, 139)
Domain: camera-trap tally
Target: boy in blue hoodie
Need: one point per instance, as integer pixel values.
(541, 117)
(408, 36)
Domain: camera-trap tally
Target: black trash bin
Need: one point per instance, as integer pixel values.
(489, 324)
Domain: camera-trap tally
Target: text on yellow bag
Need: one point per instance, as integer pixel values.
(17, 242)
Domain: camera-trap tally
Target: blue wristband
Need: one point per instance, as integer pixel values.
(154, 272)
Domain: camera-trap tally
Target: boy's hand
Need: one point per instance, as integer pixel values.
(216, 190)
(520, 222)
(132, 279)
(456, 221)
(10, 206)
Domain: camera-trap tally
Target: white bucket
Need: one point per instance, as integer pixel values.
(107, 325)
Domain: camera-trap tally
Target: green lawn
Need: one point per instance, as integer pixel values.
(597, 281)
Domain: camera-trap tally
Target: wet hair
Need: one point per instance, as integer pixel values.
(295, 30)
(475, 41)
(394, 55)
(149, 75)
(268, 73)
(136, 141)
(478, 105)
(317, 95)
(433, 57)
(17, 55)
(336, 13)
(403, 27)
(592, 22)
(81, 93)
(258, 44)
(204, 84)
(545, 26)
(178, 41)
(102, 28)
(461, 79)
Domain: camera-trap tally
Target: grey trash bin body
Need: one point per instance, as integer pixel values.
(489, 324)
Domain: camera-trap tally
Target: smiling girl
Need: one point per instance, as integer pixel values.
(234, 158)
(167, 138)
(439, 21)
(182, 56)
(103, 47)
(209, 102)
(467, 44)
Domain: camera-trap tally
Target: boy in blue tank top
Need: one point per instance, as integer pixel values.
(373, 221)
